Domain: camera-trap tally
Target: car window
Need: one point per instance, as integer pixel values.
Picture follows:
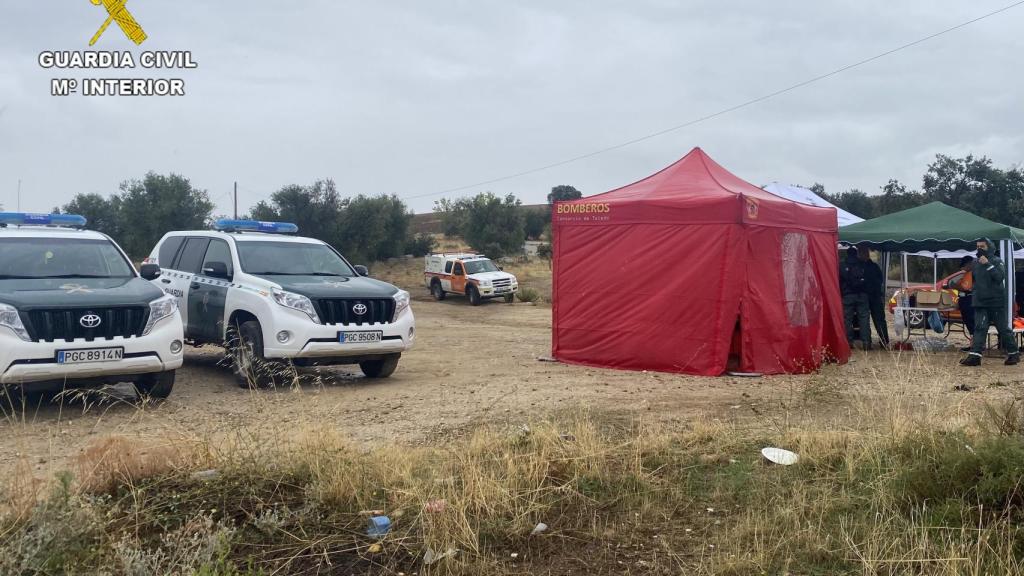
(192, 255)
(219, 251)
(268, 258)
(61, 258)
(458, 269)
(168, 250)
(479, 266)
(448, 267)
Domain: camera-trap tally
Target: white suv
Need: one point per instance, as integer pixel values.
(268, 297)
(75, 313)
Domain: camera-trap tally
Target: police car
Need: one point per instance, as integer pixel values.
(75, 313)
(269, 297)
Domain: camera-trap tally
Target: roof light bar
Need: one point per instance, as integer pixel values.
(228, 225)
(28, 219)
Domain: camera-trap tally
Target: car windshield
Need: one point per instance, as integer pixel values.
(61, 258)
(291, 259)
(478, 266)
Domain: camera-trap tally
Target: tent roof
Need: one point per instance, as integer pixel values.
(805, 196)
(695, 190)
(934, 226)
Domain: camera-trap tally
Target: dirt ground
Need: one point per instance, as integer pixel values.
(474, 365)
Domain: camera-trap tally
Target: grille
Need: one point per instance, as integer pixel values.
(502, 283)
(339, 310)
(63, 324)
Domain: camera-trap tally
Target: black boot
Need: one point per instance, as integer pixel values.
(971, 360)
(1013, 359)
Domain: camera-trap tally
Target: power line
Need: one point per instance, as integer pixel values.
(724, 110)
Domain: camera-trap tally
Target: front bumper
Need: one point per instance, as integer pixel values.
(311, 340)
(493, 292)
(25, 362)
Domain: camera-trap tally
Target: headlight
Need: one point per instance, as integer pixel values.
(10, 318)
(296, 302)
(485, 282)
(159, 309)
(401, 301)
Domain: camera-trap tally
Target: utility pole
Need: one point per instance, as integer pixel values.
(236, 199)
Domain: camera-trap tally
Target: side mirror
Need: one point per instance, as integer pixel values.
(149, 271)
(216, 270)
(501, 268)
(361, 270)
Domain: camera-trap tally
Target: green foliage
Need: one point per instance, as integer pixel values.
(544, 251)
(488, 223)
(969, 183)
(535, 222)
(363, 228)
(563, 193)
(528, 295)
(144, 210)
(420, 245)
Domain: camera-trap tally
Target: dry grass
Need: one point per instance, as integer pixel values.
(892, 486)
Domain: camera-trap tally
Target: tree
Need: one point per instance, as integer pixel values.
(453, 215)
(974, 185)
(150, 207)
(102, 214)
(374, 228)
(563, 193)
(494, 225)
(363, 228)
(534, 222)
(315, 209)
(853, 201)
(895, 197)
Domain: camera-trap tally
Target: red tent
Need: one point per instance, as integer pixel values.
(694, 270)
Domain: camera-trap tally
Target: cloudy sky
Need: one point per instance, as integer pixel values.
(414, 98)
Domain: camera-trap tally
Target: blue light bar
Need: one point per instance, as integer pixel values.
(226, 225)
(26, 219)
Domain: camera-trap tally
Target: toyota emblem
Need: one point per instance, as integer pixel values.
(90, 321)
(359, 309)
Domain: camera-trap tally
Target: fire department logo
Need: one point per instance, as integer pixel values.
(117, 12)
(359, 309)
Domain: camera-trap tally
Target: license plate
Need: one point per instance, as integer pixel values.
(502, 290)
(359, 337)
(89, 355)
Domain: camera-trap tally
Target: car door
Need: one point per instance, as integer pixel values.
(458, 279)
(446, 278)
(185, 268)
(208, 293)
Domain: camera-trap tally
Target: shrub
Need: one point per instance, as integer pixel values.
(420, 245)
(528, 295)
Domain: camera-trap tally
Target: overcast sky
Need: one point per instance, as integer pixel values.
(414, 97)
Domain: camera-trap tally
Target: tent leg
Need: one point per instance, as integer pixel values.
(1007, 251)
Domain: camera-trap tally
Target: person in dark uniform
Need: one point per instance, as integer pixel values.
(853, 287)
(875, 281)
(990, 306)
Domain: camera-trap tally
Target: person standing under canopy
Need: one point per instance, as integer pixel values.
(876, 293)
(990, 306)
(853, 285)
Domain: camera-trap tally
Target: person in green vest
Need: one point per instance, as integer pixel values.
(990, 306)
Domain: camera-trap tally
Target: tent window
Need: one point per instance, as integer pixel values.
(803, 295)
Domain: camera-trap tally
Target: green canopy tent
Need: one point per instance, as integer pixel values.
(933, 227)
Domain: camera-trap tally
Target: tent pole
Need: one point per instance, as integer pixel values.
(935, 269)
(1007, 250)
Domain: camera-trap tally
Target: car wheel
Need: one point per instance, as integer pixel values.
(915, 318)
(381, 368)
(437, 291)
(252, 369)
(510, 298)
(155, 386)
(474, 296)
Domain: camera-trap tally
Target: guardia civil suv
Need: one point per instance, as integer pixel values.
(75, 313)
(268, 297)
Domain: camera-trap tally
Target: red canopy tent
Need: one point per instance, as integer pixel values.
(694, 270)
